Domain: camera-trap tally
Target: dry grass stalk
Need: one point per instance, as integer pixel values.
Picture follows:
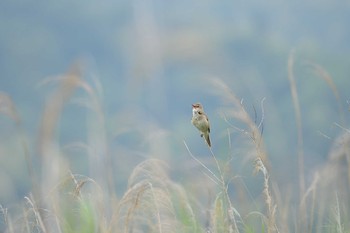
(7, 219)
(54, 106)
(300, 144)
(337, 216)
(323, 74)
(297, 111)
(37, 214)
(311, 191)
(223, 185)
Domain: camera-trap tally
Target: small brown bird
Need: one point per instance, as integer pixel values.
(201, 121)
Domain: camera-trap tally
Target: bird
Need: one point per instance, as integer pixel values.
(201, 122)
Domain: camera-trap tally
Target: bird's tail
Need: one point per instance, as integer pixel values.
(207, 139)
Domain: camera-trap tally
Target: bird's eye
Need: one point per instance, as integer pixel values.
(200, 113)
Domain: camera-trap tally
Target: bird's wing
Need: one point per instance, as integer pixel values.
(208, 123)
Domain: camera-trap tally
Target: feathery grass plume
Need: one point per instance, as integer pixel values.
(76, 208)
(147, 205)
(271, 206)
(238, 112)
(53, 165)
(8, 108)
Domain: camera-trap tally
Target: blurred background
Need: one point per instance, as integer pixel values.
(149, 60)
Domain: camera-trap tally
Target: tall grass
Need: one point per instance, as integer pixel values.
(63, 201)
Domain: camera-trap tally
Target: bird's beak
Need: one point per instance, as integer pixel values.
(193, 106)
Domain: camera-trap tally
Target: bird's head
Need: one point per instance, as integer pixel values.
(197, 106)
